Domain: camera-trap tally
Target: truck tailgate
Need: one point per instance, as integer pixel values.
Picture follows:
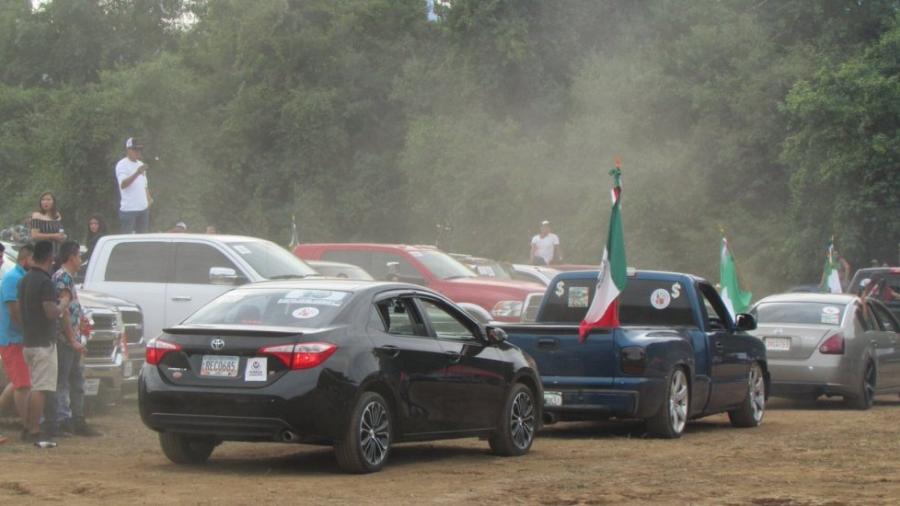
(562, 359)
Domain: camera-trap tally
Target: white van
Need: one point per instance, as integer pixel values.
(172, 275)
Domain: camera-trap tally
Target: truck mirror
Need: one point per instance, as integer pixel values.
(745, 322)
(224, 276)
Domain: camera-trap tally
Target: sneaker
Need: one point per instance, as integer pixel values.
(39, 437)
(83, 429)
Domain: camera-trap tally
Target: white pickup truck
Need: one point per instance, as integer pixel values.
(172, 275)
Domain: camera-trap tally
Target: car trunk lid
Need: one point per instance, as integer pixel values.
(786, 341)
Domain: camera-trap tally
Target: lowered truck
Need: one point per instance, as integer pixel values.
(677, 356)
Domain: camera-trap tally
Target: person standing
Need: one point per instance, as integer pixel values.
(134, 192)
(96, 230)
(545, 248)
(41, 309)
(70, 378)
(11, 350)
(46, 222)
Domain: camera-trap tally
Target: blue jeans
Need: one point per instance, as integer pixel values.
(69, 385)
(134, 222)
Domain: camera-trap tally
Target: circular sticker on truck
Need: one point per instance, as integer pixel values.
(305, 313)
(660, 299)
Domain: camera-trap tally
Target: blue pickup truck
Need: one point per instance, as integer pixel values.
(677, 356)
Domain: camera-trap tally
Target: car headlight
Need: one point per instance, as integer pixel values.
(507, 309)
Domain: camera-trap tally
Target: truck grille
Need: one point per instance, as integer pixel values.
(532, 305)
(104, 321)
(134, 325)
(102, 348)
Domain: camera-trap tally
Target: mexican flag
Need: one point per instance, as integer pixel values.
(831, 280)
(604, 309)
(736, 300)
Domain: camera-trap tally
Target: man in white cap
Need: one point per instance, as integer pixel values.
(545, 247)
(135, 200)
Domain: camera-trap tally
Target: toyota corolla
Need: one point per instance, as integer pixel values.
(354, 364)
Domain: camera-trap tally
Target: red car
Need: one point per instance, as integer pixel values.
(426, 265)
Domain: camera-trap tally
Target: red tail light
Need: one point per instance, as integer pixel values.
(157, 349)
(834, 345)
(300, 356)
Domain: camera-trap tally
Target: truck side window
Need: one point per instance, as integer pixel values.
(139, 262)
(393, 267)
(193, 262)
(361, 259)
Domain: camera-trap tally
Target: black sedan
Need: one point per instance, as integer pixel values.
(354, 364)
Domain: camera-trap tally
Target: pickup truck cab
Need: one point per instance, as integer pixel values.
(677, 356)
(172, 275)
(484, 298)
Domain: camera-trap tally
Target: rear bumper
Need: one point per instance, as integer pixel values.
(586, 398)
(310, 405)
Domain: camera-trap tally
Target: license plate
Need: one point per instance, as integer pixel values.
(219, 366)
(553, 399)
(778, 343)
(92, 387)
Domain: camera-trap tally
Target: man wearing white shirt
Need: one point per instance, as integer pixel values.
(545, 247)
(135, 200)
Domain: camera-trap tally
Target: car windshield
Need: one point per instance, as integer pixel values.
(272, 307)
(443, 265)
(270, 260)
(802, 313)
(343, 271)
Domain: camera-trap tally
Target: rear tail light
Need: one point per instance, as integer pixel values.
(300, 356)
(632, 360)
(157, 349)
(834, 345)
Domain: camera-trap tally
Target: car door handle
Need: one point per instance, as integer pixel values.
(547, 343)
(453, 356)
(182, 298)
(389, 350)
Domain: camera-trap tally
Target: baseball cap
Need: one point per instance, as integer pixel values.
(133, 143)
(545, 222)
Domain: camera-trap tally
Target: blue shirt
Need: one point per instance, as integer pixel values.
(10, 333)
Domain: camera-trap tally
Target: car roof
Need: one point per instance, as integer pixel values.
(823, 298)
(370, 245)
(193, 237)
(347, 285)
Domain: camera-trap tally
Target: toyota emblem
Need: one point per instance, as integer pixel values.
(217, 344)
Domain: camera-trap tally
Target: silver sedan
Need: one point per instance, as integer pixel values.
(829, 344)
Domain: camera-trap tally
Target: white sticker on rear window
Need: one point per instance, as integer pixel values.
(660, 299)
(578, 296)
(560, 289)
(831, 315)
(313, 297)
(831, 310)
(240, 248)
(305, 313)
(676, 290)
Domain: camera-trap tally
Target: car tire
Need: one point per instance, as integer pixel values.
(366, 443)
(184, 449)
(752, 410)
(864, 396)
(671, 419)
(518, 423)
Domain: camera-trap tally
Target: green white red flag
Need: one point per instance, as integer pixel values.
(831, 279)
(604, 309)
(735, 299)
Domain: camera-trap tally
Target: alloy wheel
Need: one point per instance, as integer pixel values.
(522, 420)
(757, 393)
(678, 401)
(374, 433)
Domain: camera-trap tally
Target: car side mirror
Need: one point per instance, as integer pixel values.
(496, 335)
(224, 276)
(745, 322)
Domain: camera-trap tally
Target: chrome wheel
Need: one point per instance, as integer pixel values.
(374, 433)
(757, 393)
(522, 421)
(678, 401)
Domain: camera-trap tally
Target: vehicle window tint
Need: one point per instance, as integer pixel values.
(862, 318)
(447, 325)
(273, 307)
(644, 302)
(376, 320)
(885, 319)
(140, 262)
(362, 259)
(401, 317)
(193, 262)
(717, 317)
(393, 267)
(804, 313)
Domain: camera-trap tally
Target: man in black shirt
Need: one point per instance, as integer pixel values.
(40, 314)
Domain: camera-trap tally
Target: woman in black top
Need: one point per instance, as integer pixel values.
(46, 222)
(96, 230)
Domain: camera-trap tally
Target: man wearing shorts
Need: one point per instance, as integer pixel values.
(41, 312)
(11, 351)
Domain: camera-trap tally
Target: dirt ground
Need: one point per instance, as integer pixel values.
(802, 455)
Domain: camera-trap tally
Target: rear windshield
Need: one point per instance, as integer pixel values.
(644, 302)
(808, 313)
(277, 307)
